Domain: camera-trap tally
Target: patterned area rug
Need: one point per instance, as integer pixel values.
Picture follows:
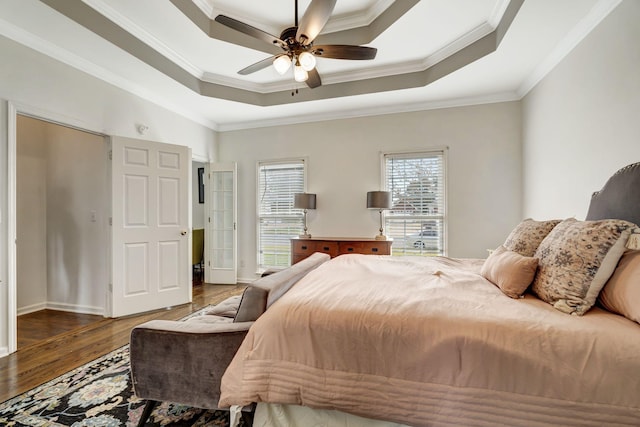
(98, 394)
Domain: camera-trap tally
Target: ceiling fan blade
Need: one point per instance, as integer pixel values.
(314, 79)
(344, 51)
(314, 20)
(247, 29)
(257, 66)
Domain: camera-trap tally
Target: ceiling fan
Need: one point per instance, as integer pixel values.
(297, 44)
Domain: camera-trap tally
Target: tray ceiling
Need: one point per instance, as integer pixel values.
(431, 53)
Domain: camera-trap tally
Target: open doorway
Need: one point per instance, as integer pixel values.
(198, 179)
(62, 245)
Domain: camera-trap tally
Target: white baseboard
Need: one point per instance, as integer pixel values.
(72, 308)
(4, 351)
(31, 308)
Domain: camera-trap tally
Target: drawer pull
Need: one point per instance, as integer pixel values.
(325, 248)
(374, 249)
(350, 249)
(304, 247)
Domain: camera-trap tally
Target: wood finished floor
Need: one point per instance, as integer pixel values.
(44, 324)
(39, 361)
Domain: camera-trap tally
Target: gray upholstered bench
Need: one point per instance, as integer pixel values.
(183, 362)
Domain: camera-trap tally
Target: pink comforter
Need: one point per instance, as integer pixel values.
(426, 341)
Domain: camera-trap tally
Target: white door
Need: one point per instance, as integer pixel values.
(220, 243)
(151, 219)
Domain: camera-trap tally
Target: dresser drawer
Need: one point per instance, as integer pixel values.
(305, 248)
(365, 248)
(327, 247)
(302, 248)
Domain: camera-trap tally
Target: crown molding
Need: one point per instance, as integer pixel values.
(498, 12)
(333, 78)
(417, 65)
(88, 17)
(55, 52)
(361, 74)
(131, 27)
(358, 18)
(206, 7)
(355, 36)
(600, 11)
(362, 20)
(372, 111)
(234, 82)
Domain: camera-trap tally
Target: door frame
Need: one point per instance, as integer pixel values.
(231, 275)
(12, 309)
(13, 110)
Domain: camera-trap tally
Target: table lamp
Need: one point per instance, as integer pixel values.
(304, 201)
(379, 200)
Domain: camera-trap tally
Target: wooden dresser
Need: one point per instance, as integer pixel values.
(334, 246)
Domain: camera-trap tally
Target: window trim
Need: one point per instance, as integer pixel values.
(272, 162)
(441, 150)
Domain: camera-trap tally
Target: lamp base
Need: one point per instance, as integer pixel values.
(381, 237)
(304, 236)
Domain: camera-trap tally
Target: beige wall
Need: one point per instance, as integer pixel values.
(484, 164)
(62, 218)
(53, 90)
(78, 210)
(39, 85)
(582, 122)
(31, 214)
(197, 208)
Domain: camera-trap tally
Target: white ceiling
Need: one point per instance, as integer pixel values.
(542, 32)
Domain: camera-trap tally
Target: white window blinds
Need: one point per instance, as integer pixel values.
(278, 222)
(417, 218)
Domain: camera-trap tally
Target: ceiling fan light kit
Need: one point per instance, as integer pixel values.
(282, 64)
(299, 73)
(297, 44)
(307, 61)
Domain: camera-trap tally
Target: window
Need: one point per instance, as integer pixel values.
(417, 218)
(278, 222)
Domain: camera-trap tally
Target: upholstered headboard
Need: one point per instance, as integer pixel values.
(619, 198)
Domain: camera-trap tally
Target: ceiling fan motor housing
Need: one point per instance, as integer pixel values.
(288, 35)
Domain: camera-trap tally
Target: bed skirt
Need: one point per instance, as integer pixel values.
(279, 415)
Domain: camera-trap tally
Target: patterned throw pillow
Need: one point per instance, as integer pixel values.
(526, 237)
(575, 261)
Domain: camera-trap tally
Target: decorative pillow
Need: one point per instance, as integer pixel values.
(509, 271)
(634, 241)
(621, 294)
(575, 261)
(526, 237)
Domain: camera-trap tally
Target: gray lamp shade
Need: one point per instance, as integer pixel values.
(304, 201)
(378, 200)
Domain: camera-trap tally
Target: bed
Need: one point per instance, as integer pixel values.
(382, 340)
